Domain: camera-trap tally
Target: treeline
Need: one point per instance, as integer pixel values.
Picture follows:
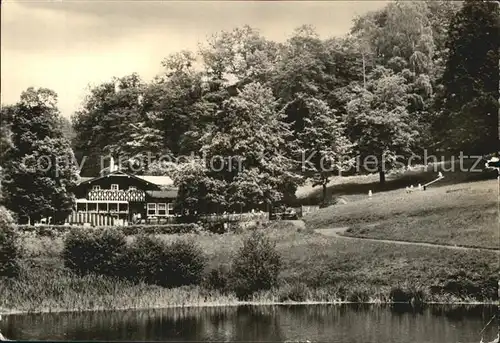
(411, 76)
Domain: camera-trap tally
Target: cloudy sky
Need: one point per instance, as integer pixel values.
(67, 45)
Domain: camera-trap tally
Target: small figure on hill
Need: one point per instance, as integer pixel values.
(493, 163)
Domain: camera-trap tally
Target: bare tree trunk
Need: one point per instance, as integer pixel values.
(381, 174)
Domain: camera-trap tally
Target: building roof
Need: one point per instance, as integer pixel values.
(157, 180)
(161, 181)
(168, 193)
(84, 178)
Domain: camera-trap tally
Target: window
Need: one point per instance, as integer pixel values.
(132, 188)
(114, 187)
(123, 207)
(103, 207)
(162, 209)
(113, 207)
(96, 188)
(92, 207)
(151, 209)
(170, 209)
(81, 207)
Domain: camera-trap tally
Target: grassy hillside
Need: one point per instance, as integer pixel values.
(462, 214)
(355, 187)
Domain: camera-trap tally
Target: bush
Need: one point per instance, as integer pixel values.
(91, 251)
(218, 279)
(298, 292)
(186, 261)
(407, 294)
(169, 265)
(161, 229)
(216, 227)
(10, 251)
(142, 259)
(359, 296)
(45, 230)
(256, 266)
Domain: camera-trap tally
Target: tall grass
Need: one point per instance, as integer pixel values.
(60, 290)
(38, 291)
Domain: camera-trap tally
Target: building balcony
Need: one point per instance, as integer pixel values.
(116, 195)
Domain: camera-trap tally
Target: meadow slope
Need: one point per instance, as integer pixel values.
(463, 214)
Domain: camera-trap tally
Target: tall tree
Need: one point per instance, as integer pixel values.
(40, 169)
(396, 30)
(326, 149)
(380, 124)
(111, 116)
(471, 79)
(199, 192)
(239, 56)
(176, 99)
(306, 68)
(248, 146)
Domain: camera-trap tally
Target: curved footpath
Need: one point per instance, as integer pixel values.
(338, 232)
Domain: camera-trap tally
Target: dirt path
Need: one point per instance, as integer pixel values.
(338, 233)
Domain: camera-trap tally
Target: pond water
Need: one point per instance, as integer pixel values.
(317, 323)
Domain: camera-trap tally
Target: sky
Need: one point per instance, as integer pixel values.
(70, 45)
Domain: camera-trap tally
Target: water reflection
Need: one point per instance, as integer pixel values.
(326, 323)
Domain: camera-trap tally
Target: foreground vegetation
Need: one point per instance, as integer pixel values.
(463, 214)
(314, 268)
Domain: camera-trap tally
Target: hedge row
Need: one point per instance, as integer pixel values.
(54, 230)
(255, 266)
(147, 259)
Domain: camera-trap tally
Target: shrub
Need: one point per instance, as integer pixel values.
(217, 279)
(359, 296)
(92, 251)
(407, 294)
(142, 259)
(161, 229)
(298, 292)
(169, 265)
(398, 295)
(10, 251)
(185, 262)
(216, 227)
(256, 266)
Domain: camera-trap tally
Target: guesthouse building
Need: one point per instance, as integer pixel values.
(120, 198)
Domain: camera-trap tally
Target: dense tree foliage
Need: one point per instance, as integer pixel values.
(327, 151)
(382, 91)
(471, 79)
(40, 167)
(234, 120)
